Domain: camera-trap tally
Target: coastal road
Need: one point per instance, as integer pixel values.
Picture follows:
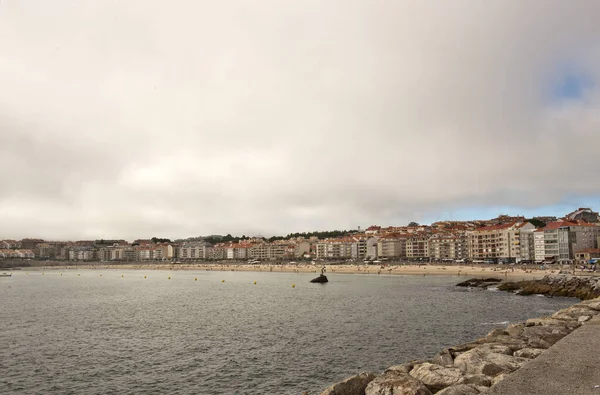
(570, 367)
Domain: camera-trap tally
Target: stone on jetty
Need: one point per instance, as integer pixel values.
(443, 358)
(557, 285)
(437, 377)
(396, 383)
(487, 362)
(354, 385)
(529, 353)
(460, 389)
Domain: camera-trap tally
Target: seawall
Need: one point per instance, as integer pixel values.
(480, 366)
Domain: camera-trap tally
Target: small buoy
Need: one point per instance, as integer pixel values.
(293, 285)
(42, 274)
(168, 278)
(122, 275)
(222, 281)
(78, 274)
(61, 274)
(26, 272)
(195, 278)
(255, 283)
(101, 275)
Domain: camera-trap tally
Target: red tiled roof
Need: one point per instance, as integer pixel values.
(592, 250)
(495, 227)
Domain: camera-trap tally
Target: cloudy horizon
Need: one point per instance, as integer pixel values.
(176, 119)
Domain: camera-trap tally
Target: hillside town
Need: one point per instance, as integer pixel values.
(505, 239)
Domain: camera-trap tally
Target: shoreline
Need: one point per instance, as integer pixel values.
(502, 272)
(475, 367)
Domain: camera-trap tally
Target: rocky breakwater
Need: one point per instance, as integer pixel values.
(472, 368)
(584, 288)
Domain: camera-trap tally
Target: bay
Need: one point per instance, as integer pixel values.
(92, 332)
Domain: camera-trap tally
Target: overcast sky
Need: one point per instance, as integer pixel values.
(127, 119)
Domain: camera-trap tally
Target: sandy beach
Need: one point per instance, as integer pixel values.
(502, 272)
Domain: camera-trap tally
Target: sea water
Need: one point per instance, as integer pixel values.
(207, 332)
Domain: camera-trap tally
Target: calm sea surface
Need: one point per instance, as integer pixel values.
(108, 334)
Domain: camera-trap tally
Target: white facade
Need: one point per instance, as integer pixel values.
(538, 243)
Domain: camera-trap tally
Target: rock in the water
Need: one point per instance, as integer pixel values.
(321, 279)
(354, 385)
(396, 383)
(481, 361)
(479, 282)
(437, 377)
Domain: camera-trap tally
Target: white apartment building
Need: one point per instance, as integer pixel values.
(538, 243)
(497, 242)
(335, 248)
(417, 247)
(447, 246)
(527, 244)
(192, 250)
(391, 246)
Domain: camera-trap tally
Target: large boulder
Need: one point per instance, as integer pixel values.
(478, 380)
(573, 313)
(354, 385)
(487, 362)
(593, 305)
(437, 377)
(544, 336)
(499, 378)
(529, 353)
(321, 279)
(396, 383)
(503, 341)
(460, 389)
(479, 282)
(443, 358)
(403, 367)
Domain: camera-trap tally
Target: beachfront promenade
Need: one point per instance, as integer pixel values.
(570, 367)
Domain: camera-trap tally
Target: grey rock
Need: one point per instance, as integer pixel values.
(460, 389)
(354, 385)
(436, 377)
(478, 380)
(499, 378)
(496, 332)
(482, 361)
(402, 368)
(514, 330)
(529, 353)
(396, 383)
(594, 305)
(443, 358)
(573, 313)
(584, 318)
(497, 348)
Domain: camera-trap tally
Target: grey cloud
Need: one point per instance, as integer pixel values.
(130, 119)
